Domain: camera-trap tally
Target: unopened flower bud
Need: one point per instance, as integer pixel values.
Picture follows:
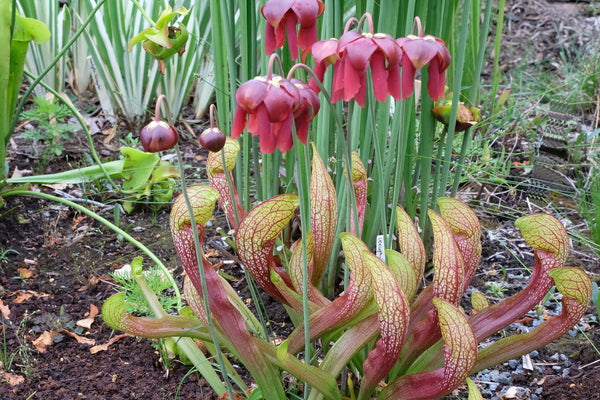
(158, 136)
(212, 139)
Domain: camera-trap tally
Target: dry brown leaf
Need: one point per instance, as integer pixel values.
(24, 273)
(87, 322)
(109, 133)
(12, 380)
(103, 347)
(80, 339)
(45, 340)
(4, 310)
(24, 295)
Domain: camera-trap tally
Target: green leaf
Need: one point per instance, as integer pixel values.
(393, 314)
(256, 237)
(410, 242)
(474, 393)
(28, 29)
(80, 175)
(404, 272)
(447, 261)
(323, 216)
(479, 301)
(544, 232)
(137, 169)
(465, 226)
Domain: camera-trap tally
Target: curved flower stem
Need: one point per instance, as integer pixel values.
(367, 17)
(418, 26)
(349, 23)
(108, 224)
(274, 57)
(157, 108)
(346, 151)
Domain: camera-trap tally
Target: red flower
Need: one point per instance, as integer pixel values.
(284, 15)
(351, 57)
(269, 106)
(306, 108)
(417, 51)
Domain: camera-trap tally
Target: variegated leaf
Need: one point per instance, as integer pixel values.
(393, 321)
(466, 228)
(256, 237)
(360, 183)
(323, 216)
(221, 179)
(576, 288)
(410, 242)
(346, 306)
(404, 272)
(447, 261)
(460, 349)
(550, 242)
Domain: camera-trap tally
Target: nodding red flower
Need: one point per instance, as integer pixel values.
(352, 55)
(418, 51)
(284, 15)
(307, 107)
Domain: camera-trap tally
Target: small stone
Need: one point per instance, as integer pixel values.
(513, 364)
(534, 353)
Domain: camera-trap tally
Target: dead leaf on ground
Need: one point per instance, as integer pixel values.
(24, 295)
(105, 346)
(4, 310)
(12, 380)
(87, 322)
(80, 339)
(25, 273)
(94, 280)
(44, 340)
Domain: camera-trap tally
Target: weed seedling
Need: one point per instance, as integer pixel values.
(50, 128)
